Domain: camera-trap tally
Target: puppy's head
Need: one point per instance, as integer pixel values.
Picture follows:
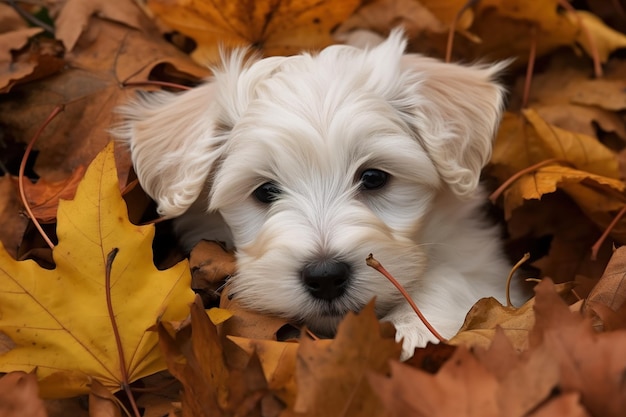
(316, 161)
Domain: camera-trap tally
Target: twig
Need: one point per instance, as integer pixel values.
(155, 83)
(20, 176)
(116, 332)
(30, 18)
(531, 65)
(510, 278)
(452, 29)
(506, 184)
(373, 263)
(597, 66)
(596, 246)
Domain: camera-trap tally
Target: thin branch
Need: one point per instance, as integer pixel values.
(596, 246)
(452, 28)
(20, 177)
(531, 65)
(30, 18)
(506, 184)
(116, 331)
(155, 83)
(510, 278)
(373, 263)
(597, 65)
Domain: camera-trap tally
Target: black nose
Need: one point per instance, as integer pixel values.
(326, 279)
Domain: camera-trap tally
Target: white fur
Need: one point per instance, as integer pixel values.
(312, 123)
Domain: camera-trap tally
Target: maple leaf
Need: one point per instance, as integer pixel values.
(275, 27)
(332, 378)
(59, 318)
(487, 316)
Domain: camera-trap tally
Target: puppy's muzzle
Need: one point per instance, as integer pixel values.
(326, 279)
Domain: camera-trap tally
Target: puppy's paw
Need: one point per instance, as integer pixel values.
(413, 334)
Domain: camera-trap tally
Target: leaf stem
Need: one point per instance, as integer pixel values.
(20, 177)
(510, 278)
(596, 246)
(373, 263)
(155, 83)
(452, 29)
(597, 65)
(116, 332)
(506, 184)
(532, 53)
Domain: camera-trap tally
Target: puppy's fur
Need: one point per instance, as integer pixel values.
(311, 125)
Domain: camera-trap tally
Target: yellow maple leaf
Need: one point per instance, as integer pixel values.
(526, 139)
(59, 318)
(275, 27)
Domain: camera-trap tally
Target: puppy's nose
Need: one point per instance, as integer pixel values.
(326, 279)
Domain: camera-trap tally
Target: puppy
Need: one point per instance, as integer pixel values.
(306, 164)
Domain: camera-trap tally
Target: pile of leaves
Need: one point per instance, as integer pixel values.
(90, 326)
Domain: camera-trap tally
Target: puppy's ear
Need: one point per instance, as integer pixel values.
(174, 141)
(455, 111)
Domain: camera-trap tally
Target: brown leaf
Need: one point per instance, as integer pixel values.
(43, 196)
(278, 360)
(589, 362)
(75, 16)
(332, 379)
(90, 88)
(101, 402)
(611, 288)
(12, 222)
(487, 315)
(248, 323)
(566, 405)
(274, 27)
(210, 266)
(196, 359)
(410, 392)
(19, 396)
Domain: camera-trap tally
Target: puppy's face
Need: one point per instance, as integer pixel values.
(316, 161)
(308, 192)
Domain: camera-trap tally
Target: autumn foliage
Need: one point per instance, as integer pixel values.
(97, 312)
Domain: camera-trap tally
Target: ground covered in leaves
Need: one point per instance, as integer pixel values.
(90, 326)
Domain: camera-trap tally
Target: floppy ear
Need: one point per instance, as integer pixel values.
(174, 141)
(455, 111)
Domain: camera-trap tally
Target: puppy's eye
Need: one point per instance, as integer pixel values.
(267, 193)
(373, 179)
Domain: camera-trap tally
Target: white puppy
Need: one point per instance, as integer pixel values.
(306, 164)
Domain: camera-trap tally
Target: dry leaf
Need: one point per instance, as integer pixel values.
(274, 27)
(58, 318)
(19, 396)
(334, 377)
(487, 315)
(610, 291)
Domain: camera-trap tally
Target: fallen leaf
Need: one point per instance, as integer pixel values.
(610, 290)
(566, 405)
(43, 196)
(588, 361)
(334, 377)
(487, 315)
(605, 39)
(278, 360)
(272, 26)
(58, 318)
(210, 386)
(410, 392)
(211, 265)
(19, 396)
(101, 402)
(604, 195)
(12, 222)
